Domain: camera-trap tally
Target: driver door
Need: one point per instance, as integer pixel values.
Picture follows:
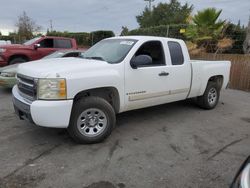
(46, 47)
(147, 85)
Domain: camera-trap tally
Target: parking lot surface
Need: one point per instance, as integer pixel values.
(173, 145)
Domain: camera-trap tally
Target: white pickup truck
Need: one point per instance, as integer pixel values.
(115, 75)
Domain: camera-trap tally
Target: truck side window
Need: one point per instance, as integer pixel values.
(46, 43)
(62, 43)
(155, 50)
(175, 53)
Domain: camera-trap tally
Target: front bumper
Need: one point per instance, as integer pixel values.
(22, 109)
(54, 114)
(7, 82)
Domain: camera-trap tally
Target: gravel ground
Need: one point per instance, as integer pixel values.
(173, 145)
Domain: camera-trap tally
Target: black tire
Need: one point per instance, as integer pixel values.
(82, 106)
(17, 60)
(205, 101)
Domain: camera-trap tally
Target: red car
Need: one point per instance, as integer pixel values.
(34, 49)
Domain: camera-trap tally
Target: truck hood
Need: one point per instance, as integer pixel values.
(10, 68)
(60, 67)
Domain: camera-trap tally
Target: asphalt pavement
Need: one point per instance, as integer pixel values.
(173, 145)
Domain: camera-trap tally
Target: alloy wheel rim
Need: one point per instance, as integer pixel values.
(212, 96)
(92, 122)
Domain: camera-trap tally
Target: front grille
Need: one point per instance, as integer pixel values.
(26, 86)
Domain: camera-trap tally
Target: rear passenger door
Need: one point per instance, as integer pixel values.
(179, 69)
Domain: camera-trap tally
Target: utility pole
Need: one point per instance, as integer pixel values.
(150, 4)
(167, 30)
(51, 25)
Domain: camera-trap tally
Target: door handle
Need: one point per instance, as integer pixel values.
(164, 73)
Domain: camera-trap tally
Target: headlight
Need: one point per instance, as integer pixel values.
(52, 89)
(8, 74)
(2, 50)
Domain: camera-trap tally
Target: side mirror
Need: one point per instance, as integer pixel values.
(37, 46)
(242, 178)
(140, 60)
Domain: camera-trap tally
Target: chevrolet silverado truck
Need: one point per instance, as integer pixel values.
(33, 49)
(115, 75)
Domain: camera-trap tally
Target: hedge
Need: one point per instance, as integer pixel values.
(172, 31)
(97, 36)
(83, 38)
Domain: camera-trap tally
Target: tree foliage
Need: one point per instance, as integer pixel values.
(26, 26)
(165, 14)
(238, 34)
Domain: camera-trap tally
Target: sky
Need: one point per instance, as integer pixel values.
(91, 15)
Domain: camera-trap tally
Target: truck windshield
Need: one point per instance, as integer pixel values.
(31, 41)
(110, 50)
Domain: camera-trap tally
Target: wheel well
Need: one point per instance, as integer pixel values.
(110, 94)
(18, 56)
(218, 79)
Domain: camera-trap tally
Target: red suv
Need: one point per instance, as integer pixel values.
(34, 49)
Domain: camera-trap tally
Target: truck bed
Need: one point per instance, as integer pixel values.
(202, 71)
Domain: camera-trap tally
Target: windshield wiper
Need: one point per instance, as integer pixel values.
(95, 57)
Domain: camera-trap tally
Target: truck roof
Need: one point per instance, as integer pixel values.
(55, 37)
(146, 38)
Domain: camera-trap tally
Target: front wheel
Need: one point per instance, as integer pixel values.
(92, 120)
(17, 60)
(211, 96)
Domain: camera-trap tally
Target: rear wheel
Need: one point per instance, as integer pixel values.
(17, 60)
(211, 96)
(92, 120)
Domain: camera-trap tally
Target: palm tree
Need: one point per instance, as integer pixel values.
(206, 29)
